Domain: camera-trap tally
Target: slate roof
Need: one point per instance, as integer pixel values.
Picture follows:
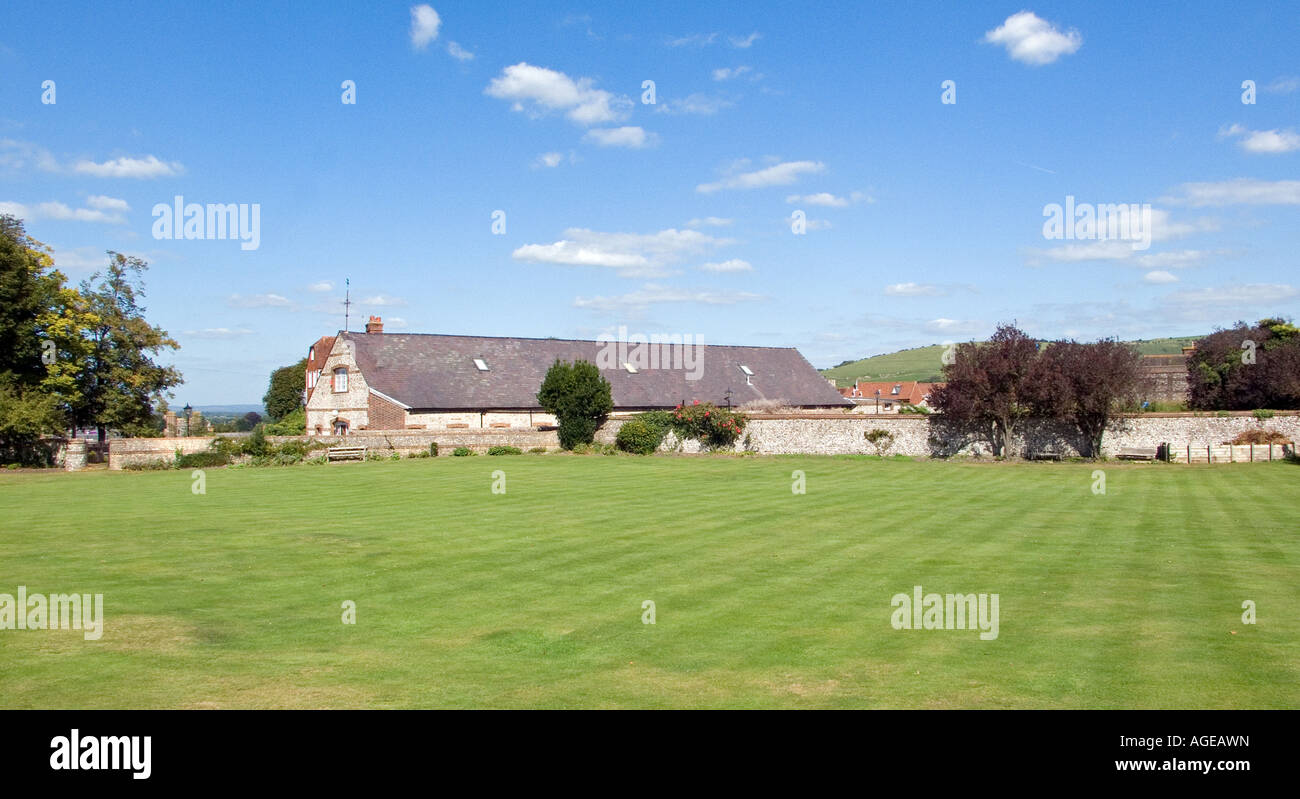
(437, 372)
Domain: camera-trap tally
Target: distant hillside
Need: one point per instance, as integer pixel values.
(925, 363)
(227, 410)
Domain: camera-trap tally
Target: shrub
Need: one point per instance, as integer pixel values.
(153, 465)
(638, 437)
(256, 444)
(420, 453)
(580, 399)
(371, 455)
(433, 449)
(1261, 414)
(293, 424)
(595, 448)
(916, 409)
(714, 427)
(503, 450)
(461, 452)
(538, 450)
(202, 460)
(882, 440)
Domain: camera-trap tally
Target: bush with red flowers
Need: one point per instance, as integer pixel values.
(714, 427)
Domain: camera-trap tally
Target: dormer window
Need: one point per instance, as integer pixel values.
(341, 379)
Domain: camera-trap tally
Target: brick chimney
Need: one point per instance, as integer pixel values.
(375, 325)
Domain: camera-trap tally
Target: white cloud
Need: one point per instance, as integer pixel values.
(693, 40)
(79, 259)
(382, 301)
(1241, 191)
(733, 265)
(258, 301)
(107, 203)
(701, 104)
(424, 26)
(321, 287)
(395, 323)
(148, 167)
(953, 326)
(1283, 85)
(826, 199)
(219, 333)
(1177, 258)
(549, 160)
(729, 73)
(1250, 295)
(1159, 277)
(709, 221)
(544, 90)
(1032, 40)
(913, 290)
(19, 155)
(781, 174)
(629, 136)
(652, 294)
(632, 254)
(106, 209)
(57, 210)
(744, 42)
(459, 53)
(1271, 141)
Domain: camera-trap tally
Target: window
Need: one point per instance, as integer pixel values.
(341, 379)
(748, 372)
(340, 427)
(630, 368)
(480, 364)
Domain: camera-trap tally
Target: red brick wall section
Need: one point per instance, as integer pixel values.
(384, 415)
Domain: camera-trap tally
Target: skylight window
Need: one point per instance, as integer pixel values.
(748, 372)
(630, 368)
(480, 364)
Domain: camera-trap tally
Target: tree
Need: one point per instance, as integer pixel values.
(1084, 385)
(248, 421)
(33, 303)
(284, 395)
(29, 287)
(580, 399)
(119, 381)
(1246, 367)
(985, 386)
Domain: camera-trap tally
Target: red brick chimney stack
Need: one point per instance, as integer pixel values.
(375, 325)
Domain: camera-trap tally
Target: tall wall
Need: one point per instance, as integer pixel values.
(823, 434)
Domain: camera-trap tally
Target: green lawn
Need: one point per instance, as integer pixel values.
(763, 598)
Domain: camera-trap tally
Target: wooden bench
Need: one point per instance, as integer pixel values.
(1138, 453)
(346, 453)
(1047, 454)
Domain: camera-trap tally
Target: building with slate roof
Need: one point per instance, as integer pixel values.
(416, 381)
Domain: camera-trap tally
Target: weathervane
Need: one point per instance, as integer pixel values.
(347, 302)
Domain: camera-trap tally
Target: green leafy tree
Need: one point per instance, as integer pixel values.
(120, 383)
(1246, 367)
(284, 395)
(579, 397)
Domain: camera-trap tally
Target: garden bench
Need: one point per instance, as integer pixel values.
(1138, 453)
(346, 453)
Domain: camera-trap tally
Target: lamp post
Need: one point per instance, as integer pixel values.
(728, 396)
(877, 402)
(188, 410)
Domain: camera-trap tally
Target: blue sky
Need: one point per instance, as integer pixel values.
(924, 219)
